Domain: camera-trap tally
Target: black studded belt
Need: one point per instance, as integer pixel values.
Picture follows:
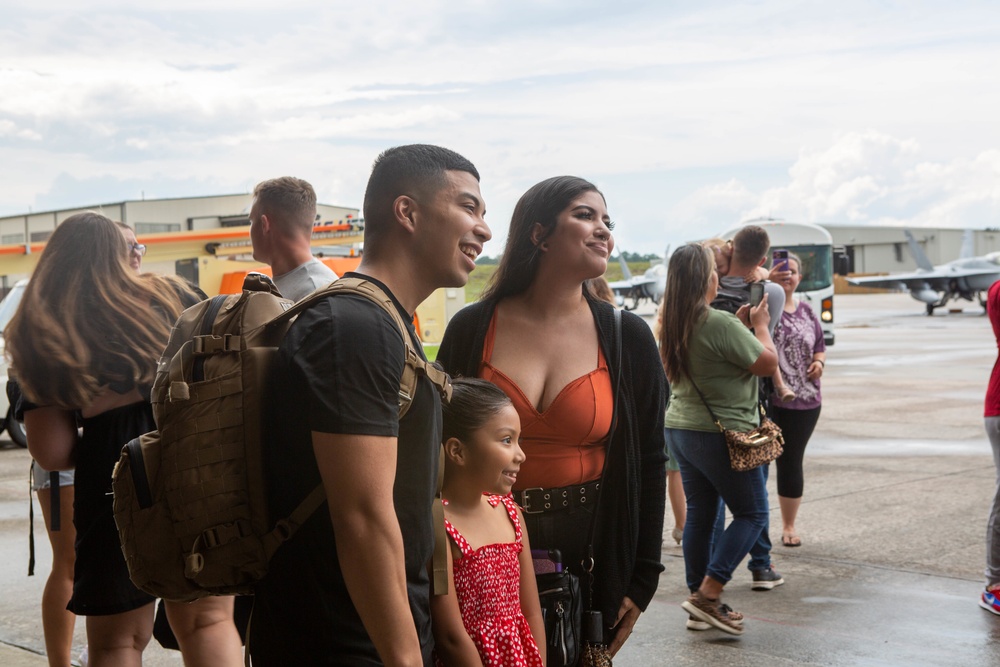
(537, 501)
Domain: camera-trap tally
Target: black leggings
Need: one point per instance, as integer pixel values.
(797, 427)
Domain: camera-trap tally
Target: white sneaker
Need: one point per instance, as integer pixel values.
(84, 657)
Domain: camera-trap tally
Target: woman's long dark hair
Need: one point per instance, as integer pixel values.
(87, 319)
(684, 305)
(541, 204)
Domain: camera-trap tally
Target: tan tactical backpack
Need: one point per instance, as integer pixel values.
(190, 499)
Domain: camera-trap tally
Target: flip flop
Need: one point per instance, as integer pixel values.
(791, 540)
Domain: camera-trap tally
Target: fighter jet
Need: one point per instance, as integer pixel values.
(650, 285)
(964, 278)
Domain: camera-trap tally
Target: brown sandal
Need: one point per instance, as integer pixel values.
(791, 540)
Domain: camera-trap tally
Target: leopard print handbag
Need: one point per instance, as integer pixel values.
(753, 448)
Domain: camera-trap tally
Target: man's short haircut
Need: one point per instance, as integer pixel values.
(287, 201)
(417, 170)
(750, 245)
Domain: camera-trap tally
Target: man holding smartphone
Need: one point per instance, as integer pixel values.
(750, 248)
(746, 273)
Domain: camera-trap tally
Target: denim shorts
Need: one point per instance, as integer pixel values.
(40, 478)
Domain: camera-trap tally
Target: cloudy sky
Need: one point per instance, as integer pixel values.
(689, 115)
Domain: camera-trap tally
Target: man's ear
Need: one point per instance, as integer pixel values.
(265, 223)
(454, 451)
(404, 210)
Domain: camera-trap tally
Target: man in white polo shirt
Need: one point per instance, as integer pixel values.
(281, 223)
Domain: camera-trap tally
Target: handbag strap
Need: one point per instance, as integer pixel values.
(715, 419)
(588, 562)
(707, 406)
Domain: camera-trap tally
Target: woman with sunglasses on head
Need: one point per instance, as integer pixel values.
(85, 354)
(549, 343)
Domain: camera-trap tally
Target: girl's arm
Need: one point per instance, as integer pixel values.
(51, 437)
(530, 606)
(453, 644)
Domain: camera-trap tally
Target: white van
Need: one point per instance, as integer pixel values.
(8, 307)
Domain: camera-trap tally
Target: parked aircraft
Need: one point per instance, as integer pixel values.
(650, 285)
(964, 278)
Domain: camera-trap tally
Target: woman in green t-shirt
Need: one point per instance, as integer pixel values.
(714, 352)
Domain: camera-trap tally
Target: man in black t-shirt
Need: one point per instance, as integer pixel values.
(351, 587)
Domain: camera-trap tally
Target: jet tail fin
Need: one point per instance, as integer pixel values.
(918, 253)
(968, 245)
(626, 273)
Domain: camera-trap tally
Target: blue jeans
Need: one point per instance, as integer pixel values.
(707, 477)
(760, 552)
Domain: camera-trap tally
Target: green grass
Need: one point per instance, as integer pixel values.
(482, 274)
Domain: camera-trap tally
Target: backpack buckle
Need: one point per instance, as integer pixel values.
(206, 345)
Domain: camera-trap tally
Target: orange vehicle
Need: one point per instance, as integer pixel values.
(232, 282)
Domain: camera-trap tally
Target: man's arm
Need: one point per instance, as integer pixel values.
(358, 472)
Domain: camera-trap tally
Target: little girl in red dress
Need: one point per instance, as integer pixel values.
(491, 612)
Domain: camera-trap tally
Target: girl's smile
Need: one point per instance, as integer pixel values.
(494, 454)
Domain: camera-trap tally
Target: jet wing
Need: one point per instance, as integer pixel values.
(625, 287)
(938, 280)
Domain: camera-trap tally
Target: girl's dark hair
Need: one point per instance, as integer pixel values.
(473, 402)
(542, 203)
(683, 306)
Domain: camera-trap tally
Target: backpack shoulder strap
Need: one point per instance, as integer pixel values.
(415, 365)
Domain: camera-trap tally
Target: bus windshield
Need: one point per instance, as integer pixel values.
(817, 266)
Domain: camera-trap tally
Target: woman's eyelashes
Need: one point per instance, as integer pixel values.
(588, 215)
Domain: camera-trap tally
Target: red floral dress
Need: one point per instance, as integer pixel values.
(488, 585)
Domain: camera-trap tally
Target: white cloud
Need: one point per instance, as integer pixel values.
(10, 129)
(865, 178)
(706, 204)
(690, 112)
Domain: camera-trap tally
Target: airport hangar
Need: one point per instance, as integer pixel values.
(207, 241)
(175, 231)
(875, 250)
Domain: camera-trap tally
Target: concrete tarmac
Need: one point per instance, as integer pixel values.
(899, 479)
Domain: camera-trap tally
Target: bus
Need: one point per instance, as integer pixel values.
(814, 246)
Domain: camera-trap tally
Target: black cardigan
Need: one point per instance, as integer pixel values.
(630, 522)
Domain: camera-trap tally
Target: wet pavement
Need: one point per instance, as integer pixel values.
(898, 484)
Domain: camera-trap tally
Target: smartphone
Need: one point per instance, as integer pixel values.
(780, 257)
(756, 294)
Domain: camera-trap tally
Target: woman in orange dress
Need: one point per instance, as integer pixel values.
(540, 335)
